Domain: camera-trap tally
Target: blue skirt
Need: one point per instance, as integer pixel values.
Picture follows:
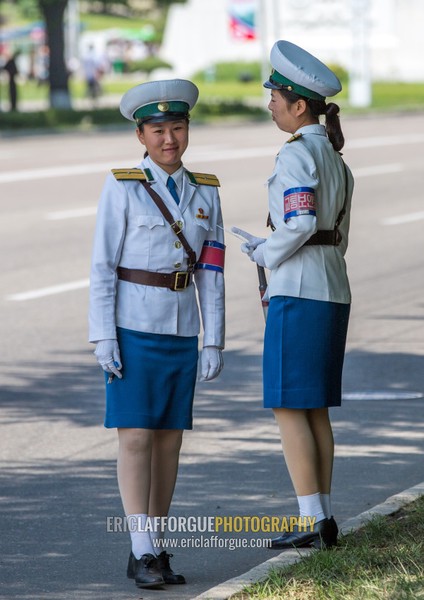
(304, 350)
(157, 387)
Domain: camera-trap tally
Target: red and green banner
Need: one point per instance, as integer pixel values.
(242, 14)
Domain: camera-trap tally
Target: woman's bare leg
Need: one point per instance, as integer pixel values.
(320, 425)
(134, 469)
(165, 457)
(134, 480)
(300, 449)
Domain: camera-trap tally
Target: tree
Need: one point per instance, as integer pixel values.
(53, 12)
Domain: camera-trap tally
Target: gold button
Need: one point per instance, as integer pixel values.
(180, 224)
(178, 244)
(177, 265)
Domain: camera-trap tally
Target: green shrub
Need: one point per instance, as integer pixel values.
(147, 65)
(340, 71)
(231, 71)
(225, 108)
(57, 119)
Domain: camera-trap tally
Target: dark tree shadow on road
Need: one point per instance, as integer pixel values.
(55, 543)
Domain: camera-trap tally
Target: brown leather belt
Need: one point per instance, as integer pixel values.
(176, 281)
(324, 237)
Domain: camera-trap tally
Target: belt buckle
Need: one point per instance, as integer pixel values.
(177, 287)
(176, 227)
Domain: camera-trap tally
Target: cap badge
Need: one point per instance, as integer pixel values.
(163, 106)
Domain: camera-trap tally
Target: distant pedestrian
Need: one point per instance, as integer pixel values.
(42, 65)
(12, 70)
(310, 193)
(93, 71)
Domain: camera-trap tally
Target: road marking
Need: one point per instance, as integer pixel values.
(49, 291)
(89, 211)
(409, 218)
(72, 214)
(383, 395)
(62, 171)
(225, 154)
(377, 170)
(90, 169)
(387, 140)
(198, 154)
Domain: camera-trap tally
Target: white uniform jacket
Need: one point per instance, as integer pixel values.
(306, 193)
(131, 232)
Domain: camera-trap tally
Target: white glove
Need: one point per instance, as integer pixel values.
(211, 363)
(252, 242)
(257, 256)
(108, 356)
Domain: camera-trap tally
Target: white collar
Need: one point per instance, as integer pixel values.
(317, 128)
(162, 175)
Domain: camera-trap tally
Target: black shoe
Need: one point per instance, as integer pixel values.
(321, 535)
(165, 569)
(144, 571)
(332, 533)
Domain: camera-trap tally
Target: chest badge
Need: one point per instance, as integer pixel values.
(201, 214)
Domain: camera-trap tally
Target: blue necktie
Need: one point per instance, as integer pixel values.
(170, 184)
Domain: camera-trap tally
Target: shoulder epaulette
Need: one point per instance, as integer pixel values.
(294, 137)
(203, 179)
(135, 174)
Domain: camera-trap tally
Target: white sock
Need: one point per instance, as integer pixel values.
(310, 506)
(140, 538)
(326, 505)
(157, 540)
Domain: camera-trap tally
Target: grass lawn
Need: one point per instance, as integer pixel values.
(401, 95)
(382, 561)
(91, 22)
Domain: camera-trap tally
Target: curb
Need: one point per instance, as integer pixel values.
(228, 588)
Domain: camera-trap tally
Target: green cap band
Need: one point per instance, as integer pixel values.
(276, 77)
(158, 108)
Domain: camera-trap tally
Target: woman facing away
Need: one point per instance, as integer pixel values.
(309, 194)
(158, 239)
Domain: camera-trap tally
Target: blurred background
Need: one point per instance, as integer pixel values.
(76, 55)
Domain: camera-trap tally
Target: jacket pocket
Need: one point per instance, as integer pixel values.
(149, 221)
(204, 224)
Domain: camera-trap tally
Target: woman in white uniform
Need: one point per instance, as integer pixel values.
(310, 194)
(158, 239)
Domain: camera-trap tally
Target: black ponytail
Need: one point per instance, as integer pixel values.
(317, 108)
(332, 121)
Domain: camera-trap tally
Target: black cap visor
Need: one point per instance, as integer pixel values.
(162, 117)
(271, 84)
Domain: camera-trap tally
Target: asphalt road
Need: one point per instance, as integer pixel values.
(58, 483)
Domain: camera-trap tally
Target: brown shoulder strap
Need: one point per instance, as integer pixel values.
(343, 210)
(175, 228)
